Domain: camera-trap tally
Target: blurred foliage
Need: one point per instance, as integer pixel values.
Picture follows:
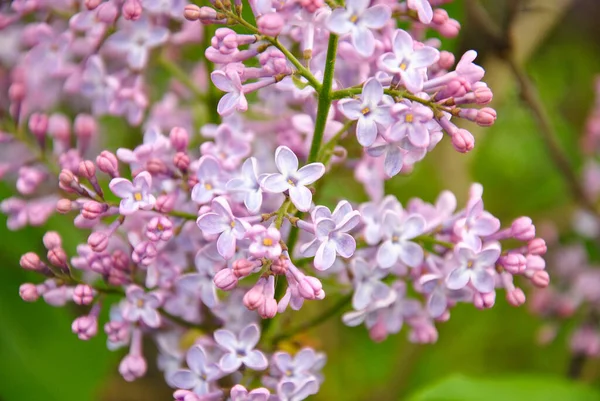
(42, 360)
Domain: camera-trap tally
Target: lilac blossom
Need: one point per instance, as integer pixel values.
(247, 184)
(240, 349)
(368, 111)
(358, 19)
(398, 232)
(407, 61)
(221, 221)
(292, 179)
(134, 195)
(142, 306)
(367, 283)
(200, 373)
(210, 180)
(423, 9)
(265, 242)
(475, 266)
(234, 99)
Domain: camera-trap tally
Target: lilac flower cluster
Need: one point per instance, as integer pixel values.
(224, 236)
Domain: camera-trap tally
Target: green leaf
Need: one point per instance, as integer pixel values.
(513, 388)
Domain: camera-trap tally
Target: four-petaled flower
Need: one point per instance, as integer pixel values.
(292, 179)
(368, 111)
(240, 350)
(210, 180)
(247, 183)
(142, 306)
(200, 373)
(134, 195)
(398, 233)
(358, 19)
(234, 99)
(410, 63)
(475, 266)
(221, 221)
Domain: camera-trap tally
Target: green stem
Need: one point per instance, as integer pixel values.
(326, 151)
(325, 98)
(183, 215)
(316, 321)
(432, 241)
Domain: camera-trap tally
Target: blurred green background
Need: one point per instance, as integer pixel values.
(481, 355)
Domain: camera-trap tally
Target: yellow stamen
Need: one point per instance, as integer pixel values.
(409, 118)
(137, 196)
(140, 303)
(365, 111)
(403, 66)
(267, 242)
(395, 238)
(354, 18)
(208, 186)
(232, 224)
(291, 182)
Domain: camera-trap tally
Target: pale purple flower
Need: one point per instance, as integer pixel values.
(292, 391)
(358, 19)
(154, 145)
(142, 306)
(332, 238)
(201, 284)
(304, 365)
(265, 242)
(372, 214)
(368, 286)
(135, 40)
(210, 180)
(226, 148)
(411, 64)
(292, 179)
(394, 156)
(398, 233)
(229, 81)
(412, 121)
(222, 221)
(97, 85)
(477, 222)
(130, 101)
(433, 284)
(423, 9)
(200, 373)
(475, 266)
(240, 349)
(368, 111)
(247, 183)
(240, 393)
(134, 195)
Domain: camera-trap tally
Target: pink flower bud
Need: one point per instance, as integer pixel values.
(311, 5)
(515, 297)
(270, 24)
(226, 280)
(107, 163)
(87, 169)
(132, 367)
(255, 296)
(63, 206)
(59, 127)
(440, 16)
(463, 141)
(309, 287)
(268, 309)
(378, 332)
(537, 246)
(66, 179)
(446, 60)
(52, 240)
(541, 279)
(38, 125)
(117, 332)
(85, 126)
(17, 92)
(535, 262)
(484, 301)
(483, 95)
(243, 267)
(486, 117)
(98, 241)
(107, 12)
(179, 138)
(28, 292)
(92, 210)
(132, 10)
(191, 12)
(181, 161)
(85, 327)
(279, 266)
(117, 277)
(31, 261)
(58, 257)
(156, 167)
(523, 229)
(185, 395)
(120, 260)
(450, 29)
(83, 294)
(159, 228)
(514, 263)
(165, 203)
(92, 4)
(144, 253)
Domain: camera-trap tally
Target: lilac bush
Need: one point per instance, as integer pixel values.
(214, 221)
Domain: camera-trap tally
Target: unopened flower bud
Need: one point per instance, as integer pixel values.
(66, 180)
(541, 279)
(63, 206)
(483, 95)
(535, 262)
(514, 263)
(38, 125)
(279, 266)
(243, 267)
(181, 161)
(156, 167)
(58, 257)
(92, 4)
(191, 12)
(132, 367)
(463, 141)
(31, 261)
(107, 12)
(486, 117)
(92, 210)
(28, 292)
(52, 240)
(59, 127)
(446, 60)
(87, 169)
(484, 301)
(523, 229)
(179, 138)
(98, 241)
(255, 296)
(83, 294)
(537, 246)
(107, 163)
(270, 24)
(120, 260)
(16, 92)
(268, 309)
(225, 280)
(85, 327)
(131, 10)
(144, 253)
(515, 297)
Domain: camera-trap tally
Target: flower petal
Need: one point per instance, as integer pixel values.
(410, 253)
(458, 278)
(256, 360)
(387, 254)
(376, 17)
(301, 197)
(366, 131)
